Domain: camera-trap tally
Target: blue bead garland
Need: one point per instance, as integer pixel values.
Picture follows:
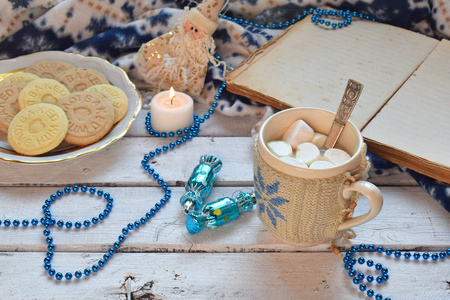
(357, 278)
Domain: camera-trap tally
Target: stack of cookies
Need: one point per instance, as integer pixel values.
(54, 101)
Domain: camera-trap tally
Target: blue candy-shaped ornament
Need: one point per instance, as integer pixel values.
(219, 212)
(200, 183)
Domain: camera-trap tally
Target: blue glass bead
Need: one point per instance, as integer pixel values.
(360, 276)
(163, 134)
(77, 224)
(157, 206)
(361, 260)
(87, 272)
(448, 251)
(442, 254)
(334, 25)
(92, 190)
(379, 279)
(48, 202)
(151, 171)
(0, 222)
(356, 280)
(184, 138)
(148, 215)
(371, 247)
(16, 222)
(49, 254)
(370, 278)
(121, 238)
(49, 240)
(47, 266)
(68, 276)
(416, 255)
(379, 297)
(370, 293)
(407, 255)
(95, 268)
(117, 245)
(327, 23)
(152, 153)
(34, 222)
(349, 253)
(387, 298)
(388, 251)
(352, 273)
(435, 256)
(51, 272)
(111, 251)
(25, 223)
(106, 211)
(101, 216)
(426, 255)
(46, 232)
(125, 231)
(384, 270)
(385, 277)
(100, 193)
(155, 175)
(59, 193)
(78, 274)
(165, 148)
(101, 262)
(53, 197)
(60, 223)
(214, 104)
(353, 261)
(67, 189)
(143, 220)
(51, 247)
(59, 276)
(130, 226)
(158, 150)
(94, 220)
(340, 24)
(362, 287)
(75, 188)
(7, 222)
(137, 224)
(378, 266)
(369, 263)
(84, 188)
(346, 259)
(397, 254)
(106, 256)
(87, 223)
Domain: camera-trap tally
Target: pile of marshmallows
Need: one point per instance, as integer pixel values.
(300, 146)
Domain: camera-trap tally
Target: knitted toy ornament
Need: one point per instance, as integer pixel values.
(180, 57)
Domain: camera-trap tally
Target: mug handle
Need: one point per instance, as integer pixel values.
(375, 198)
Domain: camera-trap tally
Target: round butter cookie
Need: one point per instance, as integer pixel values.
(9, 107)
(48, 68)
(42, 90)
(114, 94)
(79, 79)
(37, 129)
(22, 77)
(90, 115)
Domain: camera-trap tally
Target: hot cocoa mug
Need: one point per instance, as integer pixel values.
(306, 207)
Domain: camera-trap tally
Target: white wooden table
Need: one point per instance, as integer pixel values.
(161, 260)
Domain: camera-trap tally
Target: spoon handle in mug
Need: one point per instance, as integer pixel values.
(348, 102)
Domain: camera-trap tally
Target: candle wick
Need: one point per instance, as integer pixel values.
(171, 100)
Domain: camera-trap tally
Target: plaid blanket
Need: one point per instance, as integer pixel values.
(115, 29)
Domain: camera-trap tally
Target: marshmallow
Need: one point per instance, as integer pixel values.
(319, 140)
(321, 164)
(293, 161)
(336, 156)
(299, 132)
(280, 148)
(307, 153)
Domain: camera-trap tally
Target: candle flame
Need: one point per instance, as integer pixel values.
(171, 94)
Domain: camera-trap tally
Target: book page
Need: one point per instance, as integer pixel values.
(417, 118)
(310, 64)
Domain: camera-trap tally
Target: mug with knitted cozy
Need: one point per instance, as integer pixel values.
(306, 207)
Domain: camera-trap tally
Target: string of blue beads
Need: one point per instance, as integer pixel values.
(350, 261)
(318, 17)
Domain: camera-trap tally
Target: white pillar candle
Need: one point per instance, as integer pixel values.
(170, 112)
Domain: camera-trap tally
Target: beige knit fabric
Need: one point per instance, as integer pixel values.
(315, 209)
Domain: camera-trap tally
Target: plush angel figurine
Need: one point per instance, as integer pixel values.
(180, 57)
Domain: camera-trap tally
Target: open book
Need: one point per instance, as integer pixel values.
(404, 109)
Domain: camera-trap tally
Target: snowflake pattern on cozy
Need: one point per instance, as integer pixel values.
(268, 205)
(115, 30)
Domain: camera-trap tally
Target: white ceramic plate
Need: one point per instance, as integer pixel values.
(115, 75)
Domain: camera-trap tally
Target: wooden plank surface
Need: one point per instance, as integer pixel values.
(216, 276)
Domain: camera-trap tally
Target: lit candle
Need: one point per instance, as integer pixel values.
(171, 110)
